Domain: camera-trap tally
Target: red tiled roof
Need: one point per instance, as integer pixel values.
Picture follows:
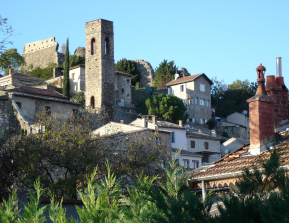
(43, 92)
(24, 75)
(122, 73)
(187, 79)
(239, 159)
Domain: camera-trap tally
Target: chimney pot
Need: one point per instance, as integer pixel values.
(214, 133)
(271, 82)
(144, 122)
(154, 119)
(181, 123)
(122, 121)
(279, 66)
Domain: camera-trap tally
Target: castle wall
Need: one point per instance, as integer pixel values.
(147, 73)
(41, 53)
(123, 91)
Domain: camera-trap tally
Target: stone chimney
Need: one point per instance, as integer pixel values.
(121, 121)
(181, 123)
(11, 71)
(154, 119)
(144, 122)
(260, 113)
(214, 133)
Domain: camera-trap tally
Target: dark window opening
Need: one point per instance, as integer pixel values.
(122, 90)
(173, 137)
(92, 46)
(206, 145)
(48, 110)
(74, 112)
(19, 104)
(128, 81)
(206, 158)
(92, 104)
(195, 164)
(193, 144)
(106, 46)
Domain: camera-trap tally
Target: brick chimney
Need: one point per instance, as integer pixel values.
(11, 71)
(181, 123)
(260, 113)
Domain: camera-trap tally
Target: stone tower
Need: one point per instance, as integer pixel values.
(99, 65)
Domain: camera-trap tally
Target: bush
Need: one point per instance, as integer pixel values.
(225, 134)
(211, 123)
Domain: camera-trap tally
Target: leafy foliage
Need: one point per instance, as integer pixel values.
(128, 66)
(66, 83)
(74, 60)
(211, 123)
(80, 98)
(43, 73)
(7, 31)
(11, 59)
(167, 107)
(231, 98)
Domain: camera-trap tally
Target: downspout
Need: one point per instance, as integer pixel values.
(203, 190)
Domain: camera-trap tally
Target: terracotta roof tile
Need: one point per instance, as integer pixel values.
(239, 159)
(187, 79)
(43, 92)
(122, 73)
(24, 75)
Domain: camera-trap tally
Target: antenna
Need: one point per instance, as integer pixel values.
(245, 112)
(176, 76)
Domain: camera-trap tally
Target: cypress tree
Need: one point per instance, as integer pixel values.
(66, 85)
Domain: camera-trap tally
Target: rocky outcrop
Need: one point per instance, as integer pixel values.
(80, 51)
(146, 71)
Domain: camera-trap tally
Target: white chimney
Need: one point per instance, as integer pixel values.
(278, 67)
(144, 122)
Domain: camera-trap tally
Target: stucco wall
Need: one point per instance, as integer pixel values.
(214, 145)
(191, 159)
(180, 137)
(77, 80)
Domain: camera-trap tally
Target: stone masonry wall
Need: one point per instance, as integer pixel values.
(42, 52)
(123, 92)
(147, 73)
(4, 121)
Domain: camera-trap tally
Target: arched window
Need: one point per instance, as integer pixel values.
(92, 46)
(92, 102)
(106, 46)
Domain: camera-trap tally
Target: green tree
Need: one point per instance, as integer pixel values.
(164, 73)
(231, 98)
(66, 84)
(74, 60)
(11, 59)
(129, 67)
(43, 73)
(7, 31)
(168, 107)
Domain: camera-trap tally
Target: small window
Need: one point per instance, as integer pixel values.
(173, 137)
(74, 111)
(193, 120)
(195, 164)
(181, 88)
(106, 46)
(202, 87)
(92, 102)
(122, 90)
(193, 144)
(92, 50)
(184, 101)
(206, 145)
(158, 140)
(187, 163)
(208, 103)
(48, 110)
(196, 101)
(19, 104)
(205, 158)
(72, 76)
(204, 102)
(127, 81)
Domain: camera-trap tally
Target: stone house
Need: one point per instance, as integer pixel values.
(77, 79)
(209, 146)
(195, 91)
(19, 106)
(267, 109)
(178, 140)
(236, 125)
(19, 79)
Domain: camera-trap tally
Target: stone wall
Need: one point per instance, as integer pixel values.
(123, 91)
(147, 73)
(120, 114)
(42, 52)
(4, 121)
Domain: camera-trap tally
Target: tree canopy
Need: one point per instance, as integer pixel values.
(11, 59)
(74, 60)
(7, 31)
(66, 83)
(166, 107)
(129, 67)
(231, 98)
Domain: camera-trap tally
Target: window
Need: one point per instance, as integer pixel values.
(201, 121)
(206, 145)
(193, 119)
(19, 104)
(191, 101)
(48, 110)
(196, 101)
(127, 81)
(92, 50)
(202, 87)
(181, 88)
(122, 90)
(208, 103)
(158, 140)
(92, 103)
(72, 76)
(184, 101)
(195, 164)
(173, 137)
(74, 111)
(193, 144)
(106, 46)
(205, 157)
(187, 163)
(169, 90)
(204, 102)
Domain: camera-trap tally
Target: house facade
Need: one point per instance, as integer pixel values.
(195, 91)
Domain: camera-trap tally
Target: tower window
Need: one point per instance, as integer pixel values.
(48, 110)
(122, 90)
(106, 46)
(92, 102)
(92, 46)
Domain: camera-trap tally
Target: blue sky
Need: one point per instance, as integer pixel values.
(223, 39)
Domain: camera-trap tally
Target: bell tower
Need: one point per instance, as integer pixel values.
(99, 65)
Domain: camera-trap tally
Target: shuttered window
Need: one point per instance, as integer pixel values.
(193, 144)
